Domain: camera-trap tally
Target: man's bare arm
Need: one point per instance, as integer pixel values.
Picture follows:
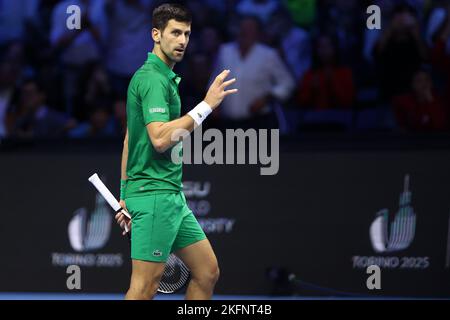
(123, 171)
(120, 218)
(161, 133)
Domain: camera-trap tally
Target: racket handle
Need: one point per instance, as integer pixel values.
(126, 214)
(126, 226)
(129, 237)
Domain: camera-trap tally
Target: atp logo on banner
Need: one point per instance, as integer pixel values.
(400, 233)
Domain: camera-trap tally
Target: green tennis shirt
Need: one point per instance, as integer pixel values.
(152, 97)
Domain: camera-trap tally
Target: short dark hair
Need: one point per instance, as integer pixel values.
(256, 19)
(168, 11)
(404, 7)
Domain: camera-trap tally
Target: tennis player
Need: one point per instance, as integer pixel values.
(151, 187)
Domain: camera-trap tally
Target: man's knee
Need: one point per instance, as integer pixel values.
(143, 289)
(215, 274)
(208, 276)
(144, 283)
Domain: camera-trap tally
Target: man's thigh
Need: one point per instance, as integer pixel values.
(146, 273)
(199, 258)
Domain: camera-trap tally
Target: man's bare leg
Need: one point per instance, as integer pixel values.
(202, 262)
(145, 279)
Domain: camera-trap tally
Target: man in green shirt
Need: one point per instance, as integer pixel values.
(151, 187)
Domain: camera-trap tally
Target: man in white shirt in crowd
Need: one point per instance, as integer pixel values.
(260, 72)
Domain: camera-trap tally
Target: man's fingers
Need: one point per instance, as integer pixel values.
(227, 83)
(227, 92)
(123, 224)
(221, 77)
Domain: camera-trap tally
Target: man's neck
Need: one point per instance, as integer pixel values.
(158, 52)
(245, 49)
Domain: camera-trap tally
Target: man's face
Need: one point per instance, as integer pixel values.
(174, 39)
(248, 32)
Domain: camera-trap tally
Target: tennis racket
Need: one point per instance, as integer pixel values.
(176, 274)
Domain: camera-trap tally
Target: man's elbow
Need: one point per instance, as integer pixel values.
(283, 93)
(160, 145)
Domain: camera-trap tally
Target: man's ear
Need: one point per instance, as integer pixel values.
(156, 35)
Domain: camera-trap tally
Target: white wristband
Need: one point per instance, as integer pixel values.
(200, 112)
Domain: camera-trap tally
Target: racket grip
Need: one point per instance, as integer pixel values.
(128, 237)
(126, 215)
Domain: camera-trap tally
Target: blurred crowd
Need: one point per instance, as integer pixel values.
(301, 65)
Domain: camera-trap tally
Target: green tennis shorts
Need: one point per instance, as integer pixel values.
(161, 223)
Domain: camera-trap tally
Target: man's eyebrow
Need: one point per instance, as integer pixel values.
(181, 31)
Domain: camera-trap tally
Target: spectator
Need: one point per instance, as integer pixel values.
(294, 43)
(128, 41)
(210, 39)
(328, 85)
(421, 109)
(399, 52)
(259, 71)
(13, 18)
(441, 53)
(78, 47)
(344, 19)
(196, 80)
(203, 14)
(371, 37)
(263, 9)
(34, 119)
(37, 30)
(199, 65)
(120, 116)
(100, 125)
(8, 80)
(96, 89)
